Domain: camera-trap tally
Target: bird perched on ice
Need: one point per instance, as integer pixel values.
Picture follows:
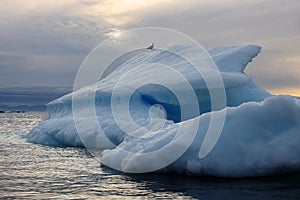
(151, 47)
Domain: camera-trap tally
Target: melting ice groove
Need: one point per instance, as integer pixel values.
(260, 134)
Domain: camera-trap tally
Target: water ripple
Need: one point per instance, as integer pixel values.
(39, 172)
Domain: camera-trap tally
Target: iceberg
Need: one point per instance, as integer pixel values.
(259, 136)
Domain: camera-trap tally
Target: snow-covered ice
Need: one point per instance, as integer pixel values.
(260, 134)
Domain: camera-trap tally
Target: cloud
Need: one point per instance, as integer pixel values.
(47, 41)
(10, 59)
(272, 24)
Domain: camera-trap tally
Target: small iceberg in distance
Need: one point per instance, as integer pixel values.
(260, 135)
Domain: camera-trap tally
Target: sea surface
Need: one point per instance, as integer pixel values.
(32, 171)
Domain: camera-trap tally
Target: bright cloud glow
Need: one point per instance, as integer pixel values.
(68, 29)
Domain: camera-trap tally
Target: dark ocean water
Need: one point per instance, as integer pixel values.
(39, 172)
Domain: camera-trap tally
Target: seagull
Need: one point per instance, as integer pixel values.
(151, 47)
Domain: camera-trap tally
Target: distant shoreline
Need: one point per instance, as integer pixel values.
(34, 98)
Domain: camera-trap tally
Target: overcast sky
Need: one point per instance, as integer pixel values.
(44, 42)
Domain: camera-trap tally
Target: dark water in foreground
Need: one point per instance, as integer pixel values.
(39, 172)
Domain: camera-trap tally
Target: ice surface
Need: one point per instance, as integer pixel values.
(263, 141)
(260, 134)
